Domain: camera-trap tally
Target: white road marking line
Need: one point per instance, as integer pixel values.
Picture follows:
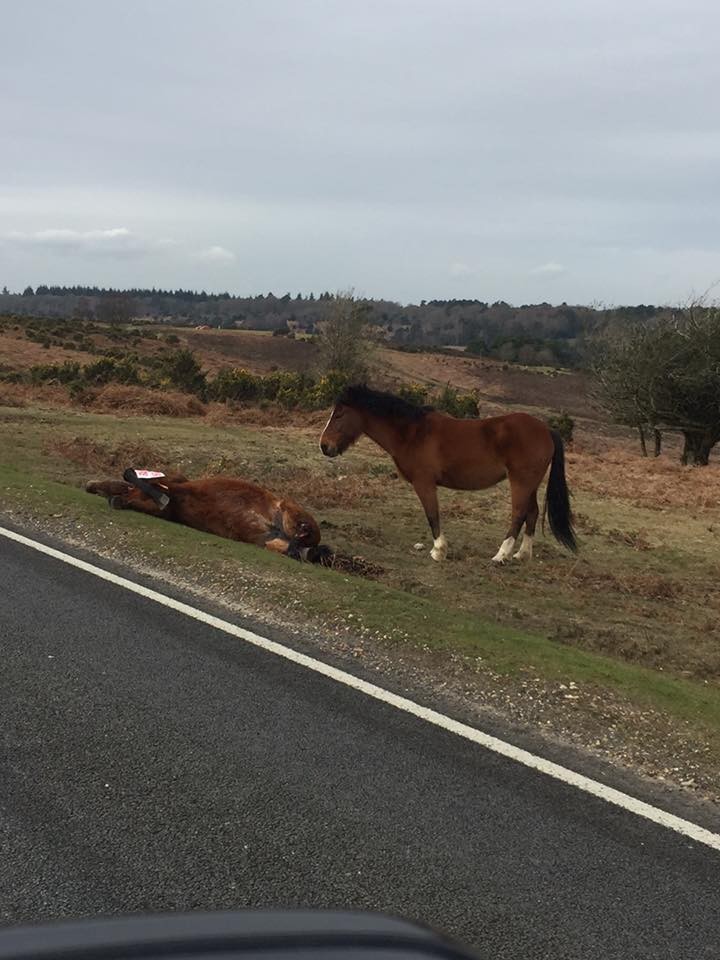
(555, 770)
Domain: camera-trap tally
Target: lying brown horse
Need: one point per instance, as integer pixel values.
(433, 450)
(226, 506)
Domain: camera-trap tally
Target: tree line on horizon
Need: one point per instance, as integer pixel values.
(533, 334)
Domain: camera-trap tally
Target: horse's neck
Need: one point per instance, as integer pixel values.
(383, 433)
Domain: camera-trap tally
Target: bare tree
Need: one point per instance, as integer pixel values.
(664, 375)
(347, 341)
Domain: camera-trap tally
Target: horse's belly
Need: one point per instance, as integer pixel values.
(472, 477)
(229, 518)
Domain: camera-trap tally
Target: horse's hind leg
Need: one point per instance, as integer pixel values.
(526, 547)
(287, 548)
(520, 497)
(110, 489)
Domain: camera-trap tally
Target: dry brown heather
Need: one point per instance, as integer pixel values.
(498, 384)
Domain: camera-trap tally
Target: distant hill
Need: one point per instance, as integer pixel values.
(536, 334)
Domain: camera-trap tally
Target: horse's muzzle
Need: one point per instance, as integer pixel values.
(328, 450)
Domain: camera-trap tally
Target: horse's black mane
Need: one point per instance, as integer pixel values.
(382, 404)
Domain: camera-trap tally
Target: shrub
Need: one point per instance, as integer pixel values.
(58, 372)
(290, 390)
(456, 404)
(327, 388)
(235, 384)
(112, 369)
(564, 424)
(182, 369)
(415, 393)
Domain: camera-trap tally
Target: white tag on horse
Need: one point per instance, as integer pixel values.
(148, 474)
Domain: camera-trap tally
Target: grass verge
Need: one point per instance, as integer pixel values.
(399, 618)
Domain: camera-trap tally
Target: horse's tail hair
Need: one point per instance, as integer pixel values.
(557, 498)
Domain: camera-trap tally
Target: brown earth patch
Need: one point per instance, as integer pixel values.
(255, 352)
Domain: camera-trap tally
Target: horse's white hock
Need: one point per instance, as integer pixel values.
(505, 551)
(439, 550)
(525, 551)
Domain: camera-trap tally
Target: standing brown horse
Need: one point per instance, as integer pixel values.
(432, 450)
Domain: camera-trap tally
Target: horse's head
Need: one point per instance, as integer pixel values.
(344, 427)
(299, 526)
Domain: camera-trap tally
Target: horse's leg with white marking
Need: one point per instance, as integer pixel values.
(278, 545)
(526, 547)
(505, 550)
(427, 494)
(519, 498)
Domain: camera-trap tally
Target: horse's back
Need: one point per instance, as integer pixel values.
(478, 453)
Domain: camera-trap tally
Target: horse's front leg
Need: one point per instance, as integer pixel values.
(427, 494)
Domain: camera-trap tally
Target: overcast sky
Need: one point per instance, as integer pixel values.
(519, 150)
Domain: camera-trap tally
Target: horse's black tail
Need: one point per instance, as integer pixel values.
(557, 498)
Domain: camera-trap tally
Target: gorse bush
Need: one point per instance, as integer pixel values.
(235, 384)
(112, 370)
(457, 404)
(450, 400)
(56, 372)
(414, 393)
(291, 390)
(181, 370)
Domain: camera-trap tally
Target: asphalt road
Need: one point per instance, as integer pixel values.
(149, 762)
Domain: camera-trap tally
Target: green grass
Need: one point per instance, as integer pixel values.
(374, 606)
(521, 621)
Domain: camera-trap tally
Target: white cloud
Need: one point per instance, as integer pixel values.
(460, 269)
(215, 254)
(549, 268)
(114, 241)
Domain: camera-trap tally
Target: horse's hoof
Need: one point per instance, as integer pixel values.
(116, 503)
(525, 552)
(439, 548)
